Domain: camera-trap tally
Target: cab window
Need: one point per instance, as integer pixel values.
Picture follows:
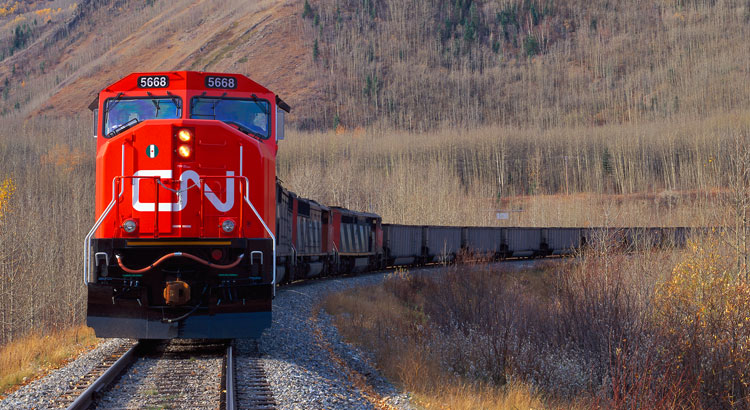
(123, 113)
(250, 116)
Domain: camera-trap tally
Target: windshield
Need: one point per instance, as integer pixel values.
(249, 116)
(121, 114)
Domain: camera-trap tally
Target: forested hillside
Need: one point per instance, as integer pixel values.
(424, 64)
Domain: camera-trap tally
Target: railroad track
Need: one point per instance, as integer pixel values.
(170, 374)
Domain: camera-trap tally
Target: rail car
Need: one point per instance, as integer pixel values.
(193, 230)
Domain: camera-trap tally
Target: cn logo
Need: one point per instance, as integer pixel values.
(187, 180)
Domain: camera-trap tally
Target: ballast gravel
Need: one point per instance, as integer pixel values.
(307, 364)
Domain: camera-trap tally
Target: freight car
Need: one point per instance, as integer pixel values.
(194, 232)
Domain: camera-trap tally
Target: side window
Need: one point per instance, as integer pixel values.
(96, 121)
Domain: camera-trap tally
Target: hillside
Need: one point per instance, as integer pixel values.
(411, 64)
(59, 54)
(425, 64)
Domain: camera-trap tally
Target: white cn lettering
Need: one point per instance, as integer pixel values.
(188, 179)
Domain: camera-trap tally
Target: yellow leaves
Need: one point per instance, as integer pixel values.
(7, 188)
(703, 306)
(8, 10)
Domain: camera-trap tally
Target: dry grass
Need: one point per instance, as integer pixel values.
(39, 352)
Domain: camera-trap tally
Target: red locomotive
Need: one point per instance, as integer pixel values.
(183, 245)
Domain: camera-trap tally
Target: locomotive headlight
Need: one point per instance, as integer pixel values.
(184, 151)
(227, 225)
(184, 135)
(129, 225)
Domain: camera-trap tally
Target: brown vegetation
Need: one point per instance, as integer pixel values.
(651, 174)
(43, 223)
(606, 330)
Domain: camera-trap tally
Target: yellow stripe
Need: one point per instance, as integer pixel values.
(175, 243)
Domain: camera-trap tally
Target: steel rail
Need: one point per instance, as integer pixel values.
(86, 398)
(230, 395)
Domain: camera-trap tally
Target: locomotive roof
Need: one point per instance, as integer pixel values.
(356, 213)
(185, 80)
(188, 80)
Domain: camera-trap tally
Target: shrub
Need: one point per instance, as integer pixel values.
(531, 45)
(307, 11)
(703, 311)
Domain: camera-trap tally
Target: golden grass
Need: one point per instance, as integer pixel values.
(36, 354)
(461, 397)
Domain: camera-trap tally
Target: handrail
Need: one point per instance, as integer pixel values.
(115, 199)
(107, 210)
(268, 231)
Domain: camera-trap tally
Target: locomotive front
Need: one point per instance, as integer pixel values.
(183, 245)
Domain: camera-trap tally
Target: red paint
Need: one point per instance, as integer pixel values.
(295, 206)
(326, 230)
(215, 150)
(336, 227)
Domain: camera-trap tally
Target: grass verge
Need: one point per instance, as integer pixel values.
(36, 354)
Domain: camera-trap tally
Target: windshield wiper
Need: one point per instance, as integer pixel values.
(218, 100)
(175, 100)
(113, 103)
(122, 127)
(244, 129)
(155, 102)
(257, 102)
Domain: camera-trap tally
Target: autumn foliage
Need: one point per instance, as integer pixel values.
(703, 312)
(7, 188)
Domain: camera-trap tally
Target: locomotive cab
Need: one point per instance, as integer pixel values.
(184, 240)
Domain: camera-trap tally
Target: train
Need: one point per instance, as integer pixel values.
(193, 230)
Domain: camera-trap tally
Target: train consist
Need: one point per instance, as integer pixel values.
(193, 232)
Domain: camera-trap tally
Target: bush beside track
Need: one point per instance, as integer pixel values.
(655, 329)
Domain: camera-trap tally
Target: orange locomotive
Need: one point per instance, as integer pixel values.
(183, 245)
